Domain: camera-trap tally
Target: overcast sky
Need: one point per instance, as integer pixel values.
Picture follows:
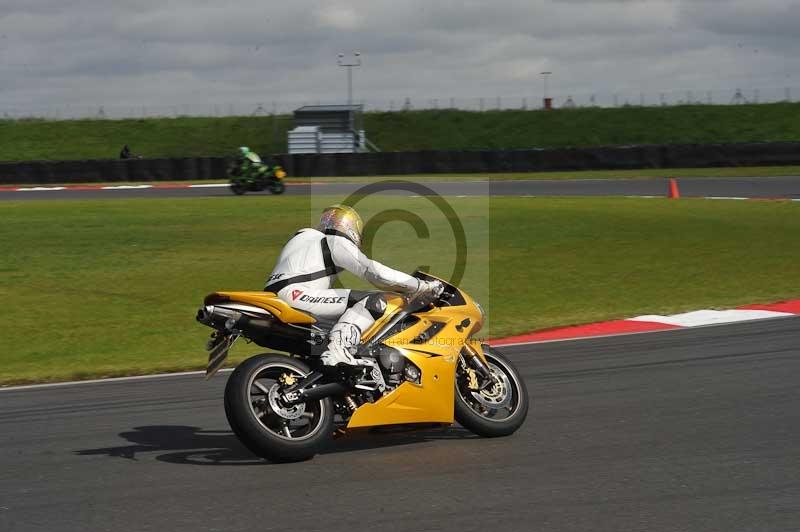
(166, 52)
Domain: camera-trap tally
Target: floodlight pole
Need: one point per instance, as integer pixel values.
(353, 61)
(544, 77)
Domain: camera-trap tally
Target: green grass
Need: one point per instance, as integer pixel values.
(445, 130)
(401, 131)
(95, 288)
(30, 140)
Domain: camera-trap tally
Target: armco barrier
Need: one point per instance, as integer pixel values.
(550, 159)
(113, 170)
(418, 162)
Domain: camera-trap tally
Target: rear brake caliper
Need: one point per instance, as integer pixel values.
(287, 379)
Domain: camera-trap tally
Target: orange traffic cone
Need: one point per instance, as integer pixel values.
(674, 193)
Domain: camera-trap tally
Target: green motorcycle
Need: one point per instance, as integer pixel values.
(249, 174)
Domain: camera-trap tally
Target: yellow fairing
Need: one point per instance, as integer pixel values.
(266, 300)
(393, 304)
(430, 402)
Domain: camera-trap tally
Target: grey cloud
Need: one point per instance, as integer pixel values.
(85, 52)
(760, 19)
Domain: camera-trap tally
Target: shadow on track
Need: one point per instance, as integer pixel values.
(195, 446)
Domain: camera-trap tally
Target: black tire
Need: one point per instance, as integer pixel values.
(238, 188)
(277, 187)
(254, 432)
(483, 425)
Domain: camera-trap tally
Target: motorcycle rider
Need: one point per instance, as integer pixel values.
(247, 158)
(307, 268)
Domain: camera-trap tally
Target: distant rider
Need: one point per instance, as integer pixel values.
(248, 159)
(307, 268)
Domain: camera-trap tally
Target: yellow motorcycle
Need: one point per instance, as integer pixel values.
(421, 366)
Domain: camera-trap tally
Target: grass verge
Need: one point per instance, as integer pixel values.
(95, 288)
(406, 131)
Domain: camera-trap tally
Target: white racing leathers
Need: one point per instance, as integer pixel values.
(305, 272)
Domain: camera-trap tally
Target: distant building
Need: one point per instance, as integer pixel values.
(329, 129)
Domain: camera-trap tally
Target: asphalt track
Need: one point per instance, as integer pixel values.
(691, 429)
(748, 187)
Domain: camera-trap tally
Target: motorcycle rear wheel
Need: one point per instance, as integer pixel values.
(266, 427)
(238, 188)
(498, 411)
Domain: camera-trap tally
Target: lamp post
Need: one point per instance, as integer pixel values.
(354, 60)
(544, 98)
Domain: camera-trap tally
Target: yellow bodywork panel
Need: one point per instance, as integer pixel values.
(266, 300)
(393, 304)
(433, 399)
(429, 402)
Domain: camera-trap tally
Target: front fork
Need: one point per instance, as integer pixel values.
(476, 365)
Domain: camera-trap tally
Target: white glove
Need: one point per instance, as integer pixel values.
(428, 290)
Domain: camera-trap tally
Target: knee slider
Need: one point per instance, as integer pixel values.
(375, 305)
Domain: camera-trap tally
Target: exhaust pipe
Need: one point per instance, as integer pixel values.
(264, 329)
(218, 317)
(204, 315)
(228, 319)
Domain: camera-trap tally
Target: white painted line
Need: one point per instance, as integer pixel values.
(726, 198)
(106, 381)
(39, 189)
(209, 185)
(710, 317)
(126, 187)
(795, 199)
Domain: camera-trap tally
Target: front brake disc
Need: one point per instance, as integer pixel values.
(498, 395)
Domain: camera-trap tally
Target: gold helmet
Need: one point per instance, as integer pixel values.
(342, 220)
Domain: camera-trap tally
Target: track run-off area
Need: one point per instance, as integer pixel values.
(686, 429)
(786, 187)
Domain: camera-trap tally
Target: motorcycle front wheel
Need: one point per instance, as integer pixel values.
(263, 423)
(277, 187)
(497, 410)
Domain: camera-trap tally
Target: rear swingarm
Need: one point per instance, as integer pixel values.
(302, 390)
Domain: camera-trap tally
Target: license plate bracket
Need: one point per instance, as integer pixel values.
(219, 346)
